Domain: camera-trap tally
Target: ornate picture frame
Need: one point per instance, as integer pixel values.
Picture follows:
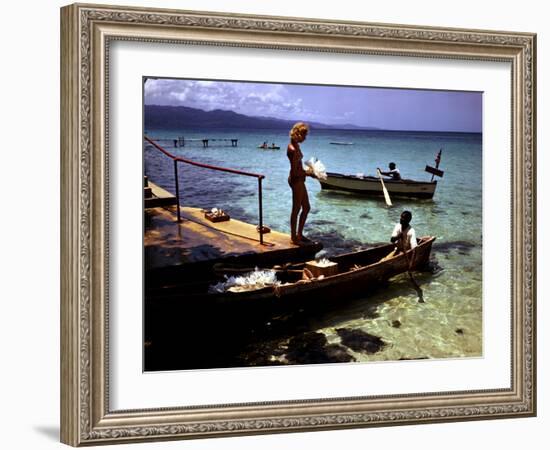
(87, 32)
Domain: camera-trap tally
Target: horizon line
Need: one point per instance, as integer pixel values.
(334, 126)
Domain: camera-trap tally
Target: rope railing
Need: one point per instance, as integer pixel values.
(177, 159)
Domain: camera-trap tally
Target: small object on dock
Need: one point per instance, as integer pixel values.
(216, 215)
(265, 229)
(323, 267)
(147, 192)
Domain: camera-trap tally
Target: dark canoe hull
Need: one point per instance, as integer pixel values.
(290, 297)
(371, 186)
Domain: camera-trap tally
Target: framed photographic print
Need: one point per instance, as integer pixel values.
(283, 224)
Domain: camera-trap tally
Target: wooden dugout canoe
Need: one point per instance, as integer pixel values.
(358, 272)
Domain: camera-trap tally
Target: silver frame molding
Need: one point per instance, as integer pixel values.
(86, 31)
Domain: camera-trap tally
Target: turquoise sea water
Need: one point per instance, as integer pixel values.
(449, 323)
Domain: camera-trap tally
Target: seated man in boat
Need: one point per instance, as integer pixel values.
(403, 236)
(393, 172)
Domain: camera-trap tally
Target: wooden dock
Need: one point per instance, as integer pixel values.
(155, 196)
(173, 249)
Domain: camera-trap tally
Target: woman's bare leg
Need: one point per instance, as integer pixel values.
(297, 195)
(305, 211)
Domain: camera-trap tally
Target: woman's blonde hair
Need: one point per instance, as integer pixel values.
(299, 128)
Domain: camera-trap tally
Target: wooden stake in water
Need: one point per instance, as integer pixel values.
(437, 161)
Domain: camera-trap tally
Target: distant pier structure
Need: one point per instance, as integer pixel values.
(181, 141)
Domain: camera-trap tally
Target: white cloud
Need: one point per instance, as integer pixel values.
(256, 99)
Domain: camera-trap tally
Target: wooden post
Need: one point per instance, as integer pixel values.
(437, 161)
(261, 213)
(177, 189)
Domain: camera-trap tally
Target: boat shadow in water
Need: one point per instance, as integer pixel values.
(222, 340)
(371, 200)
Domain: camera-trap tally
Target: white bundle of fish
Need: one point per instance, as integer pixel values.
(324, 262)
(317, 168)
(217, 212)
(251, 281)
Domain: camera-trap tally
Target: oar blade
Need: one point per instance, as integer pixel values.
(384, 190)
(387, 197)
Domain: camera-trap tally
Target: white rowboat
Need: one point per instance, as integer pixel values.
(371, 186)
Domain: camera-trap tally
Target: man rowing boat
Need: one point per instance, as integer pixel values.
(393, 172)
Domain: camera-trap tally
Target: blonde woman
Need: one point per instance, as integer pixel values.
(297, 182)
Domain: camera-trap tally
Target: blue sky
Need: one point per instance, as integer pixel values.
(386, 108)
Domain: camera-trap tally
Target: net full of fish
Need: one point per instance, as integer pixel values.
(324, 262)
(317, 168)
(251, 281)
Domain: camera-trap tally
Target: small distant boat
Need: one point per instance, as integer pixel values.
(269, 147)
(342, 143)
(370, 186)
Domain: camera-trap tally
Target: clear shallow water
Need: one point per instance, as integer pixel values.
(449, 323)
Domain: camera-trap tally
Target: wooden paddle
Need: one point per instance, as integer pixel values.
(416, 286)
(384, 190)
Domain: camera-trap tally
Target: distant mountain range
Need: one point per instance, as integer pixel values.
(178, 117)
